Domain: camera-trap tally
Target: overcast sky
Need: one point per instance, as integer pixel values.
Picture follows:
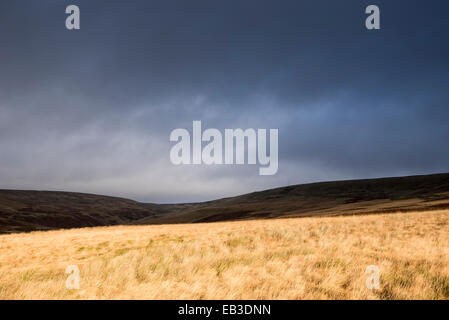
(92, 110)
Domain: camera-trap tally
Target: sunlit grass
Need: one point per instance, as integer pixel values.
(309, 258)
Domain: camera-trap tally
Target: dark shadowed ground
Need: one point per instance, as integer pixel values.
(22, 211)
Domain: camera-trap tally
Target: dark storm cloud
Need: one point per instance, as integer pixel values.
(92, 110)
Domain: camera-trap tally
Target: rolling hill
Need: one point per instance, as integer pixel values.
(22, 211)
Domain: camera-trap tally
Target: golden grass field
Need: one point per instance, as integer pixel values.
(299, 258)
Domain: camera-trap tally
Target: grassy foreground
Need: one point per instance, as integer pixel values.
(309, 258)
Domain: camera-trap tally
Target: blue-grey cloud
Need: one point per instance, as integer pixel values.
(92, 110)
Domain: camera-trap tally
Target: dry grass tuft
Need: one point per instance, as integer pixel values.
(310, 258)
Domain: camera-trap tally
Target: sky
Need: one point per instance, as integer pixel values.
(91, 110)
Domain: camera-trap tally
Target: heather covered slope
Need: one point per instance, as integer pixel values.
(42, 210)
(415, 193)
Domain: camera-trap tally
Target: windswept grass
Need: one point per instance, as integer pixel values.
(310, 258)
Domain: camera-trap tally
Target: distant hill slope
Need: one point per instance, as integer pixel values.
(414, 193)
(42, 210)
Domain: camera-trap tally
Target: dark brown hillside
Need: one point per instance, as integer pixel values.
(427, 192)
(39, 210)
